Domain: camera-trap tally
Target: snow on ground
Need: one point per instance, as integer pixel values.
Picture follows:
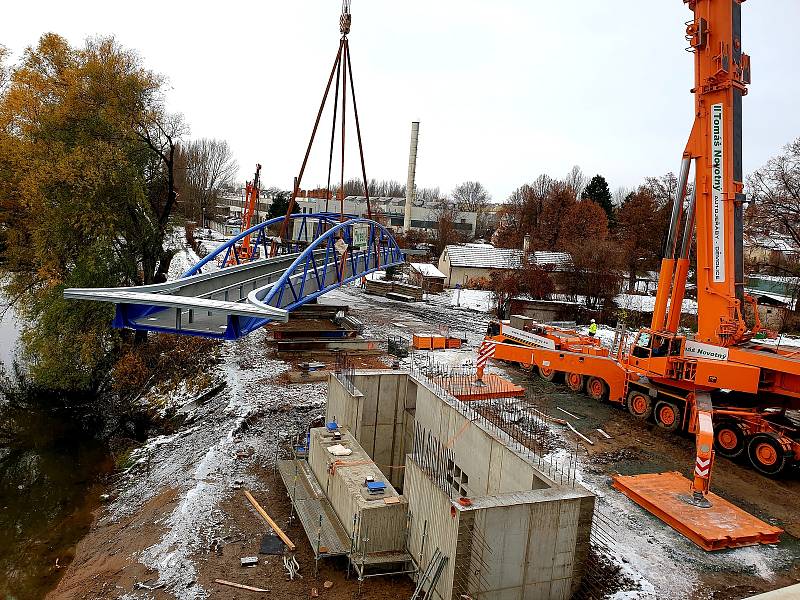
(648, 303)
(478, 300)
(185, 257)
(209, 459)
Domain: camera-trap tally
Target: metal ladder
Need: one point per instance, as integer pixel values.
(620, 334)
(431, 576)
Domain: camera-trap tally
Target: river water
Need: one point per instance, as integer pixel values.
(48, 490)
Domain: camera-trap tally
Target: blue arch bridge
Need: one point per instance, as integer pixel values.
(249, 291)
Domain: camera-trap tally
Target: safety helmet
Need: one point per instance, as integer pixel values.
(592, 320)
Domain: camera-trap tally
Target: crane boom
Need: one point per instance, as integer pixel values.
(722, 73)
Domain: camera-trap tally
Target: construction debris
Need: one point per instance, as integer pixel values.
(272, 544)
(580, 435)
(292, 567)
(604, 434)
(566, 412)
(249, 561)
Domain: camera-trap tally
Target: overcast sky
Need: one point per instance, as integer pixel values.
(504, 89)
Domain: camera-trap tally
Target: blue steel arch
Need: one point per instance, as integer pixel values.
(310, 222)
(330, 261)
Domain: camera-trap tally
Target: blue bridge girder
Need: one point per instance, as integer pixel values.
(235, 300)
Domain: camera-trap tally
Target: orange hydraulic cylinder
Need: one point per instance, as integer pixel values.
(678, 292)
(662, 294)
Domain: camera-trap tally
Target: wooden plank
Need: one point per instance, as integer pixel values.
(270, 522)
(240, 586)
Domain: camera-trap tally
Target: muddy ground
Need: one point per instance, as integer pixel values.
(178, 517)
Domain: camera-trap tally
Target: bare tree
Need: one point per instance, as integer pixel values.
(208, 169)
(471, 196)
(576, 181)
(775, 190)
(160, 132)
(445, 213)
(386, 188)
(620, 195)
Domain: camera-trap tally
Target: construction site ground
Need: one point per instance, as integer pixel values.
(178, 517)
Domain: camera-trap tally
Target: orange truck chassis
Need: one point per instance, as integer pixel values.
(744, 426)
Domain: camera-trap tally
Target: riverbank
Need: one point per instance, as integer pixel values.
(181, 499)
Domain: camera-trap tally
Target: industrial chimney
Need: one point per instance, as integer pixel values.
(412, 175)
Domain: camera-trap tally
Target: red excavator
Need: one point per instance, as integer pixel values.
(734, 390)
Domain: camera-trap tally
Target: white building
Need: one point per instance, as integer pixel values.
(463, 262)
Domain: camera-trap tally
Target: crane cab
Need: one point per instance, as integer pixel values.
(652, 351)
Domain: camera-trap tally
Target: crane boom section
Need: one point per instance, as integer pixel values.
(722, 73)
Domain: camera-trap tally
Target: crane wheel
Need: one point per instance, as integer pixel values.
(524, 366)
(640, 405)
(667, 416)
(547, 373)
(729, 439)
(767, 455)
(574, 381)
(596, 388)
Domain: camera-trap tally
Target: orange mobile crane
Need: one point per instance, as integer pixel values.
(243, 252)
(722, 384)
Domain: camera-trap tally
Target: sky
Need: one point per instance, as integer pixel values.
(505, 90)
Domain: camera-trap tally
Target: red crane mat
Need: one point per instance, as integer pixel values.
(467, 388)
(724, 525)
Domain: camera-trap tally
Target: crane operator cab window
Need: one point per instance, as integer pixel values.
(641, 348)
(660, 346)
(493, 329)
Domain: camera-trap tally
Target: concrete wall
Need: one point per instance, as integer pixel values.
(432, 526)
(377, 415)
(539, 546)
(533, 545)
(492, 467)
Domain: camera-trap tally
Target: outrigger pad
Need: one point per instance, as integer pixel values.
(723, 525)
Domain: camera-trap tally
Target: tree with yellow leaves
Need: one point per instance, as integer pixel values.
(86, 193)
